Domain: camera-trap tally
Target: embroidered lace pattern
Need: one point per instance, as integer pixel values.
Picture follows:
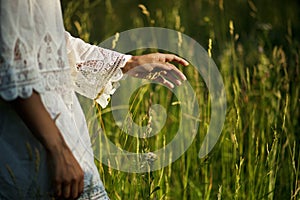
(48, 72)
(18, 77)
(96, 70)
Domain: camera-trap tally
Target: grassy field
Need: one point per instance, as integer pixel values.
(255, 45)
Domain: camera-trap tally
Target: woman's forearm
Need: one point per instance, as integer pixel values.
(38, 120)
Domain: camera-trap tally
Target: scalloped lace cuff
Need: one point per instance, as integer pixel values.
(109, 89)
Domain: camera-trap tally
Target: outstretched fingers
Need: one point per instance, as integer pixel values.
(174, 58)
(165, 82)
(158, 67)
(175, 72)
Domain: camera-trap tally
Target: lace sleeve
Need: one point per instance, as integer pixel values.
(95, 70)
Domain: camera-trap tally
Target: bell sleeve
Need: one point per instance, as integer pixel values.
(95, 71)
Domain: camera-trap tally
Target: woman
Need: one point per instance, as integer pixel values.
(44, 142)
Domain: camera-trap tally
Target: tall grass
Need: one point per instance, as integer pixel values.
(257, 155)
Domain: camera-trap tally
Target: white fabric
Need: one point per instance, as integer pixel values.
(97, 70)
(36, 53)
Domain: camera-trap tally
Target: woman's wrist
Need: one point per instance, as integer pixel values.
(54, 144)
(129, 64)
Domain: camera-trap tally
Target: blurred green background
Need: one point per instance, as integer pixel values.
(255, 45)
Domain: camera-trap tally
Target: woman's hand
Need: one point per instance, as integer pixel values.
(157, 67)
(67, 177)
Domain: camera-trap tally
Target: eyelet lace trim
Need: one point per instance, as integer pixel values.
(48, 72)
(19, 77)
(95, 191)
(97, 79)
(47, 69)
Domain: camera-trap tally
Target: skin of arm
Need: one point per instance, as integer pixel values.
(67, 175)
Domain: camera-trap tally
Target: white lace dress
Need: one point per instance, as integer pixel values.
(36, 53)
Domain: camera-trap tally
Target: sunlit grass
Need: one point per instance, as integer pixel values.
(257, 155)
